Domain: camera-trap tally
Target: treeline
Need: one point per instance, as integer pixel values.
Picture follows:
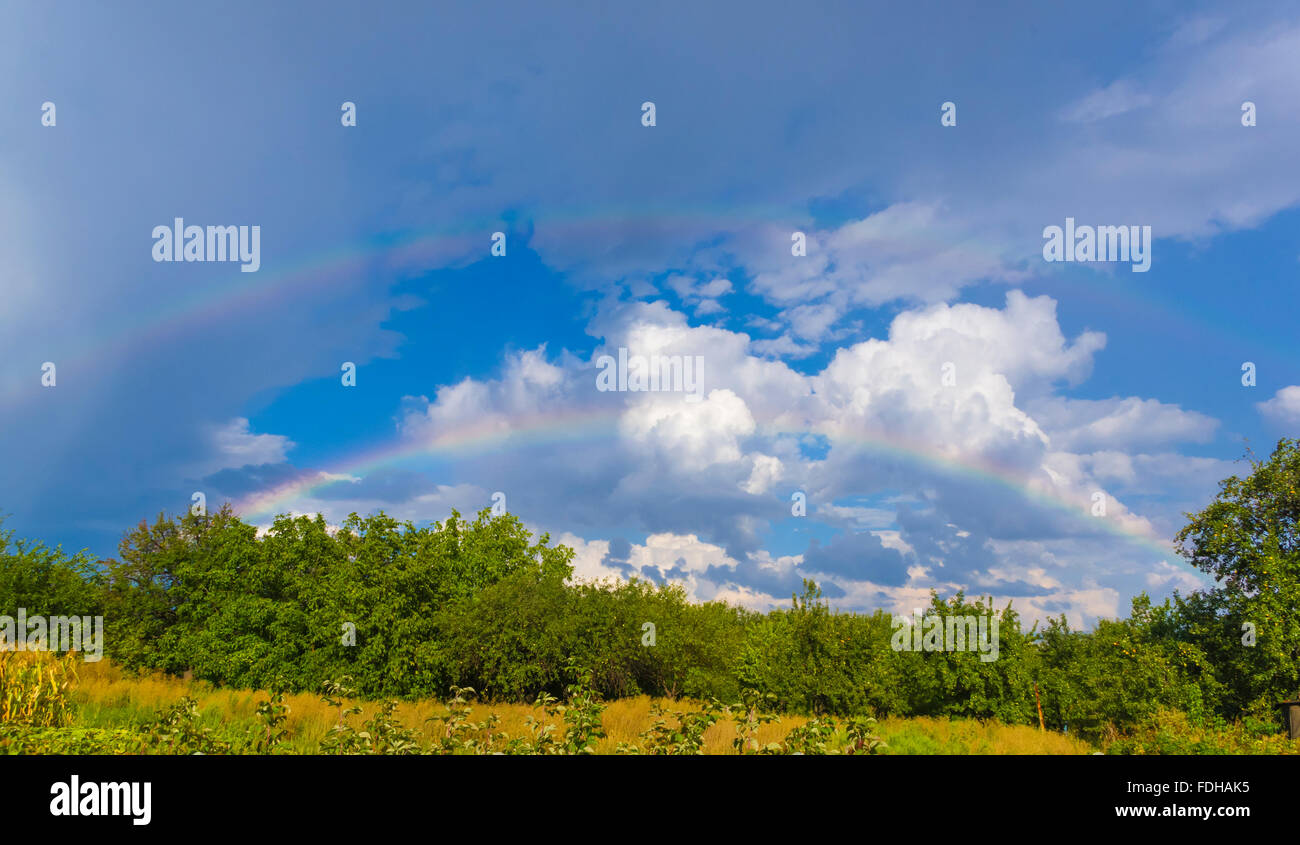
(410, 611)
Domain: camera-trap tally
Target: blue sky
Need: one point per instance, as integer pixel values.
(821, 373)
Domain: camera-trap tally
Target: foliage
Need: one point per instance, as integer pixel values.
(180, 730)
(686, 737)
(753, 711)
(1248, 539)
(34, 688)
(582, 725)
(47, 581)
(860, 738)
(274, 713)
(1173, 732)
(459, 734)
(15, 739)
(483, 608)
(1118, 675)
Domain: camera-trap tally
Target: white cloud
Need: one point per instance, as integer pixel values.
(234, 445)
(1165, 576)
(1284, 408)
(910, 251)
(706, 481)
(1115, 423)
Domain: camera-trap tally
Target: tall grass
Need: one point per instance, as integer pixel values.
(924, 735)
(34, 687)
(107, 697)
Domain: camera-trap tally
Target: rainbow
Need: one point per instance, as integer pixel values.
(395, 254)
(448, 246)
(244, 293)
(411, 251)
(554, 428)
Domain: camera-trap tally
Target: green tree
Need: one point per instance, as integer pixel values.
(1248, 539)
(47, 581)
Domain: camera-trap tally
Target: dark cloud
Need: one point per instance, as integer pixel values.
(858, 557)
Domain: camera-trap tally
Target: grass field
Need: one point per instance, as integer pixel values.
(105, 697)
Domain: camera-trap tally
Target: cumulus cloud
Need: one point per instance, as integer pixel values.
(1284, 408)
(910, 476)
(233, 445)
(701, 296)
(911, 251)
(1115, 423)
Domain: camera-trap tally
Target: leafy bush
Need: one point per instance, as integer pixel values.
(180, 730)
(1173, 732)
(20, 739)
(686, 737)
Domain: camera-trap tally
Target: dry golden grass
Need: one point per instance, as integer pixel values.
(104, 689)
(104, 686)
(925, 735)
